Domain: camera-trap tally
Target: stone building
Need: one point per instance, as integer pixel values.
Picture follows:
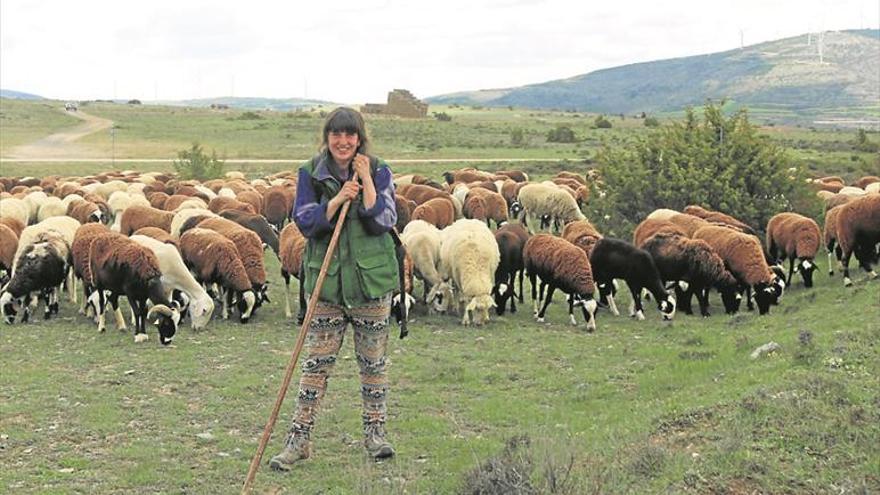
(401, 103)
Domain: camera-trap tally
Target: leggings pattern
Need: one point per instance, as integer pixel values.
(325, 335)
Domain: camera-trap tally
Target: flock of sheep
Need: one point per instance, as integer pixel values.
(176, 248)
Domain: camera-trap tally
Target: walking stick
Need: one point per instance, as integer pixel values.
(288, 373)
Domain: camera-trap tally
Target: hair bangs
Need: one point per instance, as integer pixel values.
(343, 122)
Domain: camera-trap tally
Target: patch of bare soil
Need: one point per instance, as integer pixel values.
(62, 144)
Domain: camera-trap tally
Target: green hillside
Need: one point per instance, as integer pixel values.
(786, 76)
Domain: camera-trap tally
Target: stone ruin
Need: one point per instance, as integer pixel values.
(401, 103)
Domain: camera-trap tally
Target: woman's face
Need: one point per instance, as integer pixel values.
(343, 146)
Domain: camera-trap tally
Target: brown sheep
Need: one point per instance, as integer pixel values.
(474, 208)
(496, 206)
(221, 203)
(85, 211)
(252, 198)
(421, 193)
(515, 175)
(794, 236)
(213, 259)
(582, 234)
(864, 181)
(277, 205)
(404, 208)
(157, 199)
(560, 264)
(572, 176)
(292, 245)
(829, 238)
(744, 257)
(8, 247)
(650, 227)
(175, 200)
(137, 216)
(158, 234)
(439, 212)
(250, 250)
(14, 224)
(689, 223)
(79, 248)
(466, 175)
(858, 232)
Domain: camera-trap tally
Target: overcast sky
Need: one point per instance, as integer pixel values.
(355, 51)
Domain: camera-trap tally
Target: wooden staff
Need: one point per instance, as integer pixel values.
(300, 340)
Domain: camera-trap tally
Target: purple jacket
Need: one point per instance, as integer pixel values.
(310, 210)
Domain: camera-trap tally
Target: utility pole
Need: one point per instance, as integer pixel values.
(113, 146)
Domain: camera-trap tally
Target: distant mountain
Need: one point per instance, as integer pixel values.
(786, 75)
(248, 103)
(18, 95)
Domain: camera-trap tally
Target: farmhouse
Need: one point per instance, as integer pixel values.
(401, 103)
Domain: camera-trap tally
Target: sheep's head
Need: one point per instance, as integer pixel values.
(479, 307)
(397, 309)
(806, 267)
(515, 209)
(200, 311)
(501, 293)
(667, 307)
(731, 298)
(765, 295)
(166, 319)
(8, 306)
(440, 296)
(588, 307)
(245, 305)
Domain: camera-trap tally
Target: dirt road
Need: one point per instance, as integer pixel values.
(62, 144)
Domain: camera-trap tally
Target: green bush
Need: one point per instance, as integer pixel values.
(561, 134)
(517, 137)
(442, 116)
(717, 162)
(862, 143)
(194, 163)
(250, 116)
(651, 122)
(602, 122)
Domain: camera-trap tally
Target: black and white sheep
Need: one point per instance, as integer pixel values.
(40, 267)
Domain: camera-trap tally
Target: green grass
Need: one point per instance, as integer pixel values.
(22, 122)
(637, 407)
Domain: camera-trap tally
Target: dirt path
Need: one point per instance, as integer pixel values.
(62, 144)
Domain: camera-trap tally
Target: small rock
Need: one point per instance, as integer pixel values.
(765, 349)
(223, 454)
(128, 372)
(206, 435)
(66, 470)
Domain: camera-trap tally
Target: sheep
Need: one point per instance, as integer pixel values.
(158, 199)
(858, 231)
(252, 198)
(852, 191)
(616, 259)
(829, 237)
(560, 264)
(176, 277)
(79, 248)
(8, 247)
(693, 264)
(157, 234)
(863, 182)
(182, 216)
(119, 201)
(514, 175)
(511, 239)
(475, 208)
(15, 208)
(466, 175)
(422, 241)
(794, 236)
(85, 211)
(689, 223)
(250, 250)
(651, 226)
(34, 199)
(51, 207)
(718, 217)
(256, 223)
(277, 205)
(549, 204)
(292, 245)
(214, 260)
(873, 188)
(13, 224)
(234, 174)
(662, 214)
(572, 176)
(404, 208)
(137, 216)
(40, 265)
(221, 203)
(582, 234)
(495, 205)
(744, 257)
(439, 212)
(177, 202)
(837, 200)
(469, 257)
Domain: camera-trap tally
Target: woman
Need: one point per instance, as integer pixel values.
(359, 282)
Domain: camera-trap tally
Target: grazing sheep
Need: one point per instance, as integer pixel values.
(157, 234)
(466, 175)
(560, 265)
(79, 248)
(863, 182)
(616, 259)
(495, 205)
(256, 223)
(277, 205)
(181, 217)
(549, 205)
(837, 200)
(422, 241)
(662, 214)
(439, 212)
(176, 277)
(13, 224)
(858, 231)
(852, 191)
(469, 257)
(652, 226)
(511, 239)
(689, 223)
(137, 216)
(515, 175)
(51, 207)
(404, 208)
(158, 199)
(252, 198)
(120, 201)
(582, 234)
(250, 250)
(475, 209)
(85, 212)
(8, 247)
(221, 203)
(744, 257)
(214, 260)
(292, 244)
(15, 208)
(829, 237)
(718, 217)
(176, 203)
(694, 265)
(40, 267)
(794, 236)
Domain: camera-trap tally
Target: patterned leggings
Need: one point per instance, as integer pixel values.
(324, 339)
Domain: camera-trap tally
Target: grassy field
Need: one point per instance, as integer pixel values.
(637, 407)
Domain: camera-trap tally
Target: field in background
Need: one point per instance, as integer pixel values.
(159, 132)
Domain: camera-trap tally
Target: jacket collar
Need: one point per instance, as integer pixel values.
(326, 168)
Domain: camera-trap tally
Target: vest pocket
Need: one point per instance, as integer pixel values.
(377, 274)
(331, 284)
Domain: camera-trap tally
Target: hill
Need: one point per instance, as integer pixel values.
(248, 103)
(787, 76)
(18, 95)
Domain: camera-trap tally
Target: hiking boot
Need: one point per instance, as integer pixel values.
(375, 443)
(296, 448)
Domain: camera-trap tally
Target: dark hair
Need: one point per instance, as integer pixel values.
(345, 119)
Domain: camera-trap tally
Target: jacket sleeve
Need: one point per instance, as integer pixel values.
(383, 215)
(309, 213)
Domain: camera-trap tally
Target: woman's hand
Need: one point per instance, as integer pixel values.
(361, 165)
(348, 192)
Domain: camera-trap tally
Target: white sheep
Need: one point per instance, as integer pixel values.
(422, 241)
(469, 257)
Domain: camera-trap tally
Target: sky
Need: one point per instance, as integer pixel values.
(355, 51)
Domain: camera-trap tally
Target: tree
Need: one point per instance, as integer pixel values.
(602, 122)
(862, 143)
(194, 163)
(561, 134)
(717, 162)
(517, 137)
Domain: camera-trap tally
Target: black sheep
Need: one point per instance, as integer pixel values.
(42, 265)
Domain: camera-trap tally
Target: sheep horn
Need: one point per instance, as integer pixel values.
(160, 310)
